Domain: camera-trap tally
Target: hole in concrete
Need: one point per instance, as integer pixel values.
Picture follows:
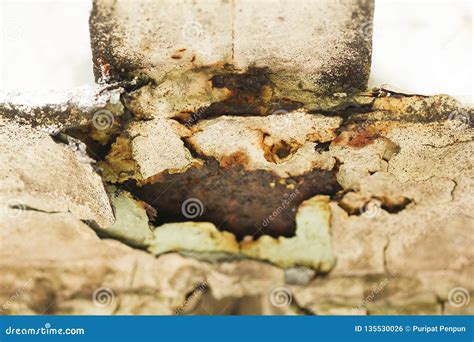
(234, 199)
(279, 152)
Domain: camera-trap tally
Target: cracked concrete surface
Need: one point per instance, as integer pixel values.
(424, 246)
(306, 187)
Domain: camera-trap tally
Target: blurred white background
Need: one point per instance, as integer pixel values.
(420, 46)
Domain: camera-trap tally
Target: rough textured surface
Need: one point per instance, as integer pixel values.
(387, 255)
(63, 264)
(192, 236)
(54, 111)
(283, 144)
(208, 152)
(131, 219)
(39, 174)
(242, 202)
(318, 45)
(274, 154)
(146, 149)
(311, 245)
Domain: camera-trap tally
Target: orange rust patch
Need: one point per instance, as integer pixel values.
(359, 137)
(237, 158)
(104, 68)
(160, 177)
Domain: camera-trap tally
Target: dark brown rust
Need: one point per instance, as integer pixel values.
(251, 93)
(237, 200)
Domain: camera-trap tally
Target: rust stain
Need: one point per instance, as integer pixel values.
(237, 158)
(234, 199)
(104, 68)
(358, 137)
(178, 54)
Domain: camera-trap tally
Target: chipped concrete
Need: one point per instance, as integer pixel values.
(131, 219)
(254, 137)
(36, 172)
(54, 111)
(192, 236)
(233, 156)
(392, 242)
(364, 245)
(380, 181)
(148, 148)
(311, 245)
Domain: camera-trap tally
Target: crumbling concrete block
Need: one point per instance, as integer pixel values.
(322, 46)
(40, 174)
(244, 156)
